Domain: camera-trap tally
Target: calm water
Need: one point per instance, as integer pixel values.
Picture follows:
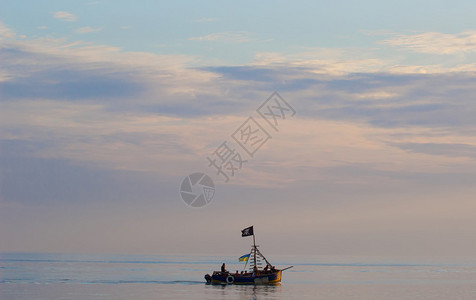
(61, 276)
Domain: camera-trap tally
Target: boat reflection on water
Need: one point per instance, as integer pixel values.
(248, 291)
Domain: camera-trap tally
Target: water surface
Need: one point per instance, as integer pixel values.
(68, 276)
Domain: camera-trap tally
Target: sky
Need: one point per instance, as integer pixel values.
(107, 106)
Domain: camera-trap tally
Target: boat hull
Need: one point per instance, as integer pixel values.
(221, 278)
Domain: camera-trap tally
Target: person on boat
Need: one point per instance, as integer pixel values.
(223, 268)
(265, 269)
(255, 271)
(273, 269)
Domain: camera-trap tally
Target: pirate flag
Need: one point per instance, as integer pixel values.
(247, 231)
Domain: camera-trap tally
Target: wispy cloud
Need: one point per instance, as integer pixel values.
(87, 122)
(88, 29)
(231, 36)
(436, 42)
(65, 16)
(445, 149)
(323, 61)
(98, 105)
(5, 32)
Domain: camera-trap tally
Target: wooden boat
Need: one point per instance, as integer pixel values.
(254, 275)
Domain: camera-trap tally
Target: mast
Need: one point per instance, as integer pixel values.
(254, 252)
(257, 252)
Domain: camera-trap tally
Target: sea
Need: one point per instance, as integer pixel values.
(143, 277)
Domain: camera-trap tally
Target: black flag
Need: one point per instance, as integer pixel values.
(247, 231)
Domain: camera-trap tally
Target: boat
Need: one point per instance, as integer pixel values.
(255, 274)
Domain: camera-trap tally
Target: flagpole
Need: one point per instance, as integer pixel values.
(244, 269)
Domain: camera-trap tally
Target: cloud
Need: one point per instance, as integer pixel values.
(5, 32)
(88, 29)
(381, 98)
(323, 61)
(436, 42)
(53, 69)
(341, 61)
(447, 149)
(237, 37)
(64, 16)
(140, 112)
(85, 124)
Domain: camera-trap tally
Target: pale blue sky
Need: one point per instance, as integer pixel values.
(167, 27)
(105, 106)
